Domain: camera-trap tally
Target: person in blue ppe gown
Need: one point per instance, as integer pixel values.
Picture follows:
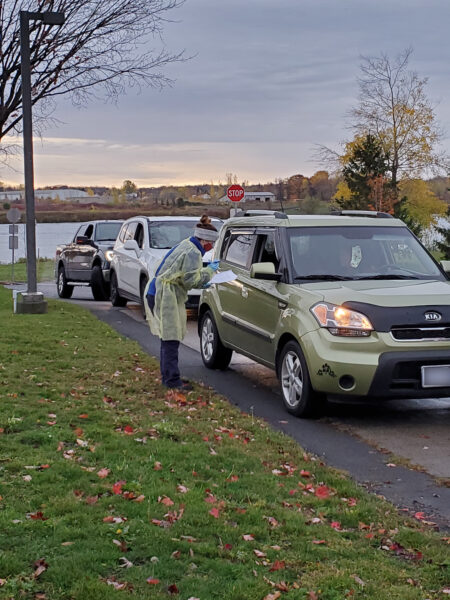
(166, 294)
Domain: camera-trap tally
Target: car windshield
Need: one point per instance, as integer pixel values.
(107, 232)
(351, 253)
(167, 234)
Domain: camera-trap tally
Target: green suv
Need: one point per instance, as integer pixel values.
(347, 304)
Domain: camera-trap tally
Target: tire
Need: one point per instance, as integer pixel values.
(98, 286)
(115, 297)
(142, 285)
(299, 398)
(214, 353)
(64, 289)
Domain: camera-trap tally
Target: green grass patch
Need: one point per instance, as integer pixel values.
(45, 271)
(111, 486)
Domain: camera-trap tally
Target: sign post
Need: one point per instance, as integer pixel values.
(235, 193)
(13, 216)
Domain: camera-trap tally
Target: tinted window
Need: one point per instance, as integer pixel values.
(167, 234)
(359, 253)
(240, 248)
(107, 231)
(266, 250)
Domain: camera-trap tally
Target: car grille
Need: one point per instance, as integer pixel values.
(406, 334)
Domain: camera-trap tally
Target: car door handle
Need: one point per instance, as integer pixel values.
(244, 292)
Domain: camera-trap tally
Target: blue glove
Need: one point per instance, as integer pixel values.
(214, 264)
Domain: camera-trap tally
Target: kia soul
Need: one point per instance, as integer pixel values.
(349, 304)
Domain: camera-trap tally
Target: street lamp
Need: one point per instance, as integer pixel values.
(32, 301)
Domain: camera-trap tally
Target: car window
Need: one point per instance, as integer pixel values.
(131, 230)
(89, 230)
(239, 249)
(359, 253)
(139, 235)
(105, 232)
(265, 249)
(81, 231)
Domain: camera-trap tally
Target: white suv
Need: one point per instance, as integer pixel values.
(140, 246)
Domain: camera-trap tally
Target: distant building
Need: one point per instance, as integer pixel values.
(61, 194)
(252, 197)
(11, 196)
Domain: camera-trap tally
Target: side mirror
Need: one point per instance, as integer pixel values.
(82, 239)
(445, 264)
(264, 270)
(132, 245)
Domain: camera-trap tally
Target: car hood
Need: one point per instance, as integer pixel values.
(383, 293)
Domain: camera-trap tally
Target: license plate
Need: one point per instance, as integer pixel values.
(436, 376)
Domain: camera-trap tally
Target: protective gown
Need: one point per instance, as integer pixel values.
(181, 271)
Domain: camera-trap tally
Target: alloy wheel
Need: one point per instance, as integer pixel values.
(292, 379)
(207, 338)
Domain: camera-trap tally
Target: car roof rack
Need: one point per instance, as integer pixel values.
(262, 213)
(361, 213)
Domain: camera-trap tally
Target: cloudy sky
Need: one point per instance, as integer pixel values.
(268, 81)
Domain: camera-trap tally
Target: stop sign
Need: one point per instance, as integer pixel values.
(235, 193)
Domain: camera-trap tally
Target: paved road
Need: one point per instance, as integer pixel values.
(350, 437)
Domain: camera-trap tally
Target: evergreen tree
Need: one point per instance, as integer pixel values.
(444, 246)
(364, 173)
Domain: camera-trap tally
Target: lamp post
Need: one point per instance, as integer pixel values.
(32, 301)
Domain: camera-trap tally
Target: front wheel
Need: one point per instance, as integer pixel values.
(116, 298)
(64, 289)
(214, 353)
(298, 395)
(143, 285)
(98, 286)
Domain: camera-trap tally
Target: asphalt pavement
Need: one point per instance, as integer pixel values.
(370, 441)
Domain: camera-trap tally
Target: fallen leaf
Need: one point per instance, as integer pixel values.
(157, 466)
(83, 416)
(125, 562)
(128, 430)
(322, 491)
(152, 581)
(39, 567)
(273, 596)
(166, 501)
(182, 489)
(37, 516)
(117, 487)
(103, 473)
(215, 513)
(172, 589)
(248, 537)
(259, 554)
(278, 565)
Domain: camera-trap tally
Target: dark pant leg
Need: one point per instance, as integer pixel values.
(169, 363)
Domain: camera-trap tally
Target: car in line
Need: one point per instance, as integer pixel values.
(86, 259)
(140, 246)
(349, 304)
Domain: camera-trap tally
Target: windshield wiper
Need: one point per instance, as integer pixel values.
(388, 276)
(324, 277)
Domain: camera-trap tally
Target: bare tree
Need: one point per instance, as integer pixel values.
(393, 107)
(101, 49)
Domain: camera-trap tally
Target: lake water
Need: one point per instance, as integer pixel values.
(48, 236)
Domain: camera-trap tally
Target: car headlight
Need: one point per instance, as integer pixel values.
(108, 255)
(342, 321)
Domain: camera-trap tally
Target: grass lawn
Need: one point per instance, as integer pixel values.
(111, 487)
(44, 268)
